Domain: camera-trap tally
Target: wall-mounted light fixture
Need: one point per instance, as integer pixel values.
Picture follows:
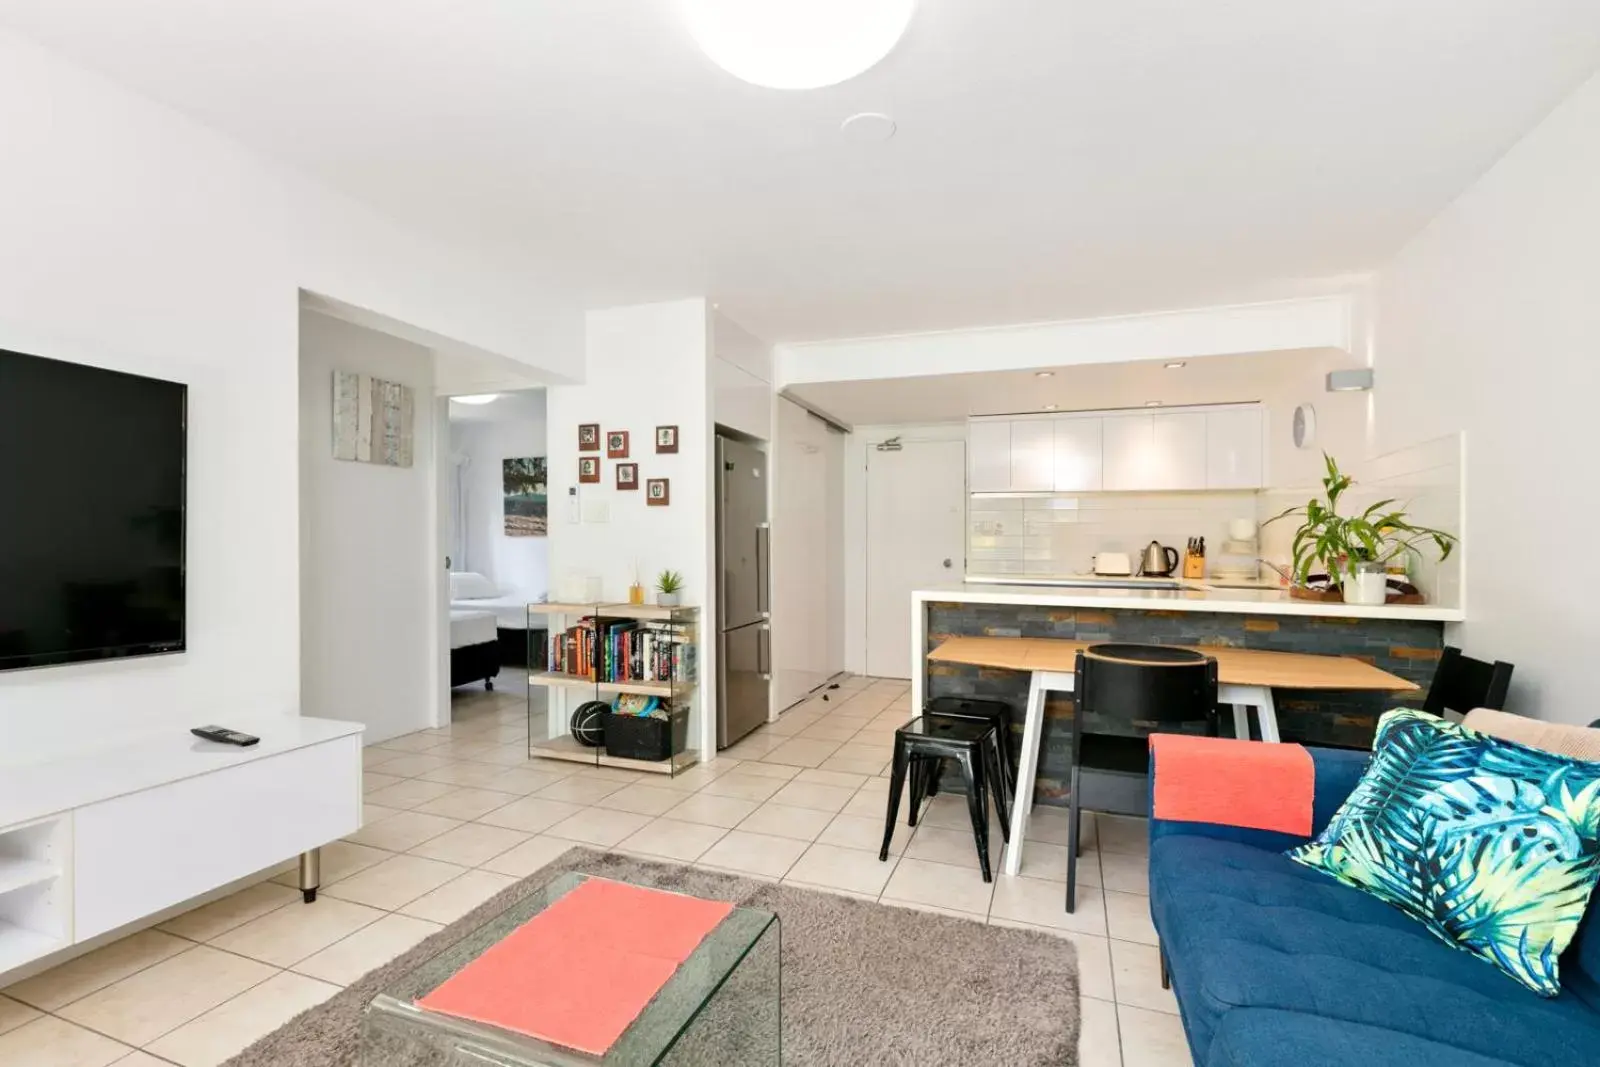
(1350, 381)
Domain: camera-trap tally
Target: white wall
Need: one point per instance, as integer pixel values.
(137, 239)
(647, 366)
(808, 566)
(517, 564)
(741, 379)
(367, 626)
(1486, 323)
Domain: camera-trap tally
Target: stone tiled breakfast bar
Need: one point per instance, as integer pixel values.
(1404, 641)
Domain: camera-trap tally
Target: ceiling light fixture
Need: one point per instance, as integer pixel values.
(1152, 403)
(1044, 374)
(797, 44)
(1050, 407)
(477, 398)
(1176, 364)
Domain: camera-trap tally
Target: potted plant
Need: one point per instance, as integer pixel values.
(669, 586)
(1355, 549)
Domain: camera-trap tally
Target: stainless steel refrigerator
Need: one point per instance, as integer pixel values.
(744, 638)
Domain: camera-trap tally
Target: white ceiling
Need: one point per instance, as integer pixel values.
(1253, 376)
(524, 405)
(1056, 158)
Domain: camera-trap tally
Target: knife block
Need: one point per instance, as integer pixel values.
(1194, 565)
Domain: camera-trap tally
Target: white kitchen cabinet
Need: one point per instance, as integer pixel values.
(1128, 461)
(1078, 455)
(1178, 451)
(1233, 449)
(988, 456)
(1033, 455)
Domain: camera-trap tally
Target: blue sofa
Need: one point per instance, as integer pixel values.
(1276, 965)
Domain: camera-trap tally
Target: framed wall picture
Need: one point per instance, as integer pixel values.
(588, 437)
(666, 439)
(658, 492)
(627, 476)
(616, 444)
(589, 469)
(526, 501)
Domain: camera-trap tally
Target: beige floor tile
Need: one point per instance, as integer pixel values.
(755, 787)
(1052, 826)
(787, 727)
(780, 771)
(580, 790)
(1128, 918)
(1099, 1044)
(829, 798)
(1151, 1038)
(760, 854)
(784, 820)
(947, 811)
(373, 757)
(956, 847)
(458, 896)
(373, 781)
(523, 781)
(726, 812)
(140, 1059)
(1138, 976)
(367, 949)
(52, 1042)
(849, 869)
(287, 935)
(470, 775)
(400, 832)
(837, 779)
(470, 845)
(467, 803)
(1122, 834)
(1125, 872)
(79, 977)
(615, 774)
(830, 729)
(411, 793)
(411, 766)
(757, 745)
(802, 753)
(1041, 903)
(529, 856)
(220, 916)
(531, 814)
(421, 741)
(371, 813)
(941, 885)
(672, 839)
(872, 800)
(1043, 860)
(228, 1028)
(146, 1005)
(13, 1013)
(597, 826)
(845, 764)
(394, 883)
(340, 859)
(695, 778)
(864, 832)
(642, 799)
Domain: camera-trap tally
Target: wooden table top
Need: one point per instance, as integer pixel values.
(1235, 666)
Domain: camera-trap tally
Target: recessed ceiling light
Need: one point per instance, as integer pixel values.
(1051, 407)
(1044, 374)
(797, 44)
(869, 127)
(477, 398)
(1176, 364)
(1152, 403)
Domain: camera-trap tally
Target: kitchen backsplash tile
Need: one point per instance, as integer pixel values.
(1043, 536)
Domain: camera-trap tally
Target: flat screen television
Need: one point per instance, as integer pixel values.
(92, 471)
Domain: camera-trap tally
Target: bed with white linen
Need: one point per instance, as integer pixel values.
(474, 648)
(472, 592)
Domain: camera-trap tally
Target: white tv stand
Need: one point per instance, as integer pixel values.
(101, 839)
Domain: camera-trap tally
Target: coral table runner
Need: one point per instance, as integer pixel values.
(1230, 782)
(578, 973)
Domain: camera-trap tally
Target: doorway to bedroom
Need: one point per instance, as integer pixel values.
(497, 510)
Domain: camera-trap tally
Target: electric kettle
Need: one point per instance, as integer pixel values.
(1158, 561)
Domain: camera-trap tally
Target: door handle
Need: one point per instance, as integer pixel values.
(763, 567)
(764, 651)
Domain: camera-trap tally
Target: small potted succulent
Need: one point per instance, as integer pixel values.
(1354, 550)
(669, 588)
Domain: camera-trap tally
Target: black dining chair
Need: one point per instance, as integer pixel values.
(1133, 688)
(1461, 683)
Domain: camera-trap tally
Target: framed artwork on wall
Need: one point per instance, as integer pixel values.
(627, 476)
(616, 444)
(666, 439)
(588, 437)
(527, 506)
(589, 469)
(658, 492)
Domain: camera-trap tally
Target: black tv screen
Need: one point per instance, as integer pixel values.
(91, 513)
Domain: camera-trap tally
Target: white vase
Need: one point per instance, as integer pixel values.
(667, 600)
(1366, 584)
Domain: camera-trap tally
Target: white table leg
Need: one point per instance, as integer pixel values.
(1267, 712)
(1245, 697)
(919, 655)
(1241, 721)
(1027, 771)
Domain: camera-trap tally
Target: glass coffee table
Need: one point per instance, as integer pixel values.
(723, 1005)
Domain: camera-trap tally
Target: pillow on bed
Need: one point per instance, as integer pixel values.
(469, 585)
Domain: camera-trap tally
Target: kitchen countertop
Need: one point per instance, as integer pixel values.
(1193, 596)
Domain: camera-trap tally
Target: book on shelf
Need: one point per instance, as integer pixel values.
(623, 650)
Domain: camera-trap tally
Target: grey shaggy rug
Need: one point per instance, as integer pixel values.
(863, 983)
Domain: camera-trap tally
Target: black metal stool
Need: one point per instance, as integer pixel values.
(919, 745)
(994, 712)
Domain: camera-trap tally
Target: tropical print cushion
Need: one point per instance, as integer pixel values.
(1493, 846)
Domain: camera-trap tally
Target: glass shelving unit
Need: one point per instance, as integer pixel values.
(641, 653)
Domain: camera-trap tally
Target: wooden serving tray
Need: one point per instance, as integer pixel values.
(1334, 596)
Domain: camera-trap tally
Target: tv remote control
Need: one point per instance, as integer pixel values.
(224, 735)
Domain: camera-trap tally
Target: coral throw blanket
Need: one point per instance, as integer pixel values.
(1229, 782)
(578, 973)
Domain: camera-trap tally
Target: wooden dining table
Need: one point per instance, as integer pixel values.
(1246, 678)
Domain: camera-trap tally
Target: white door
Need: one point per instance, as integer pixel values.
(916, 539)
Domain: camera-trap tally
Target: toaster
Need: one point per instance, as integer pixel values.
(1113, 564)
